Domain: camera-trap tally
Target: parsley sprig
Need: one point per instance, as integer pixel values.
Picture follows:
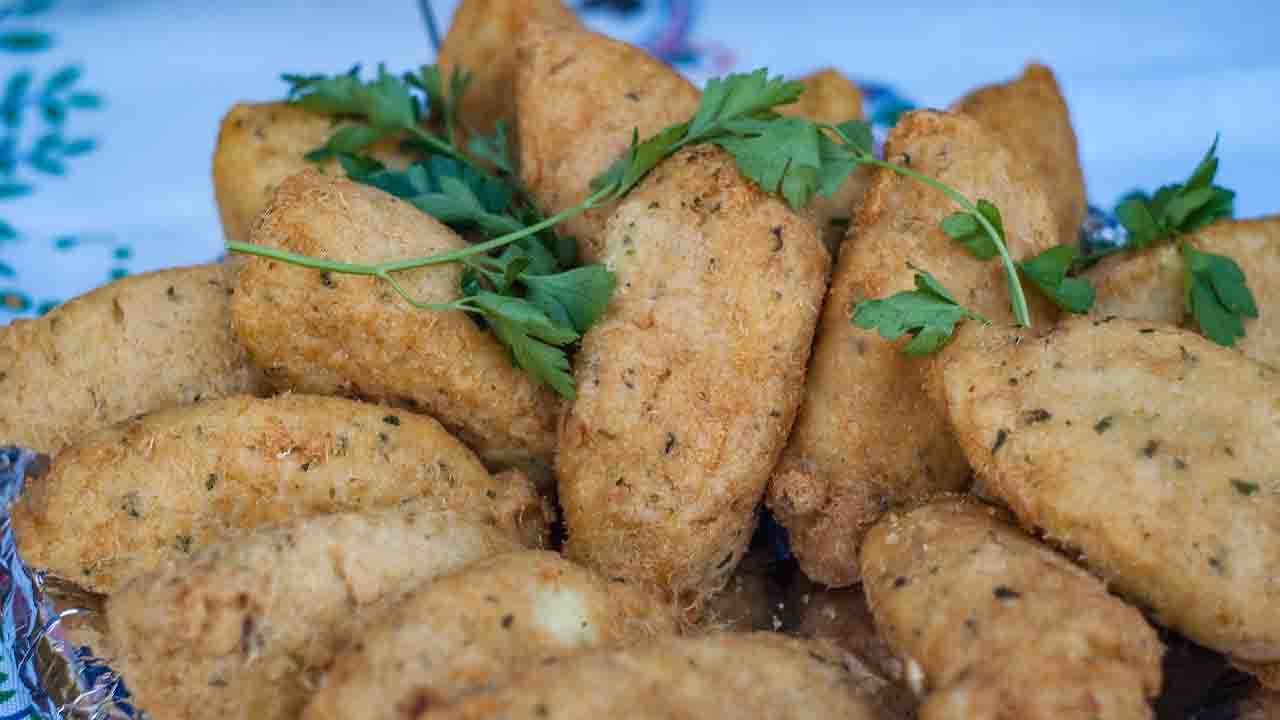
(928, 314)
(1215, 290)
(800, 158)
(530, 294)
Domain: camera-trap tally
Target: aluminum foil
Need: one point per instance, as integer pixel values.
(42, 675)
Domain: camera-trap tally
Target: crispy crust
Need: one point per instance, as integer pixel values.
(142, 343)
(477, 628)
(127, 498)
(867, 437)
(689, 383)
(482, 40)
(1150, 450)
(829, 97)
(758, 675)
(242, 629)
(1000, 625)
(344, 335)
(261, 144)
(1030, 115)
(580, 97)
(1147, 285)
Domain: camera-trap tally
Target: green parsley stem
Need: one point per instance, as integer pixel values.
(385, 270)
(444, 148)
(1019, 300)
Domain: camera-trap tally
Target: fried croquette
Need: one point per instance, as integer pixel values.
(482, 41)
(580, 99)
(476, 629)
(138, 344)
(1030, 115)
(330, 334)
(1148, 284)
(689, 382)
(261, 144)
(1147, 449)
(129, 497)
(992, 624)
(241, 629)
(867, 437)
(749, 675)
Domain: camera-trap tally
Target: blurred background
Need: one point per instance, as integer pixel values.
(105, 145)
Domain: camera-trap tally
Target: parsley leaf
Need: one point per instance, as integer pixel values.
(576, 298)
(1216, 295)
(1214, 287)
(740, 95)
(533, 338)
(964, 228)
(447, 190)
(529, 295)
(329, 95)
(764, 149)
(928, 314)
(494, 149)
(1048, 271)
(778, 155)
(1177, 209)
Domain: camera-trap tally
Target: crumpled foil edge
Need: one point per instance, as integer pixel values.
(54, 678)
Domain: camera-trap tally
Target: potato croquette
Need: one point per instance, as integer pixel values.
(605, 92)
(1149, 450)
(482, 41)
(242, 629)
(688, 384)
(476, 629)
(331, 334)
(261, 144)
(1030, 115)
(992, 624)
(142, 343)
(750, 675)
(830, 97)
(867, 437)
(129, 497)
(1147, 285)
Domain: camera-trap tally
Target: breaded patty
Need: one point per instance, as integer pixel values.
(129, 497)
(141, 343)
(476, 629)
(689, 382)
(1029, 114)
(261, 144)
(992, 624)
(1149, 450)
(867, 437)
(580, 97)
(482, 40)
(242, 629)
(1148, 284)
(748, 675)
(331, 334)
